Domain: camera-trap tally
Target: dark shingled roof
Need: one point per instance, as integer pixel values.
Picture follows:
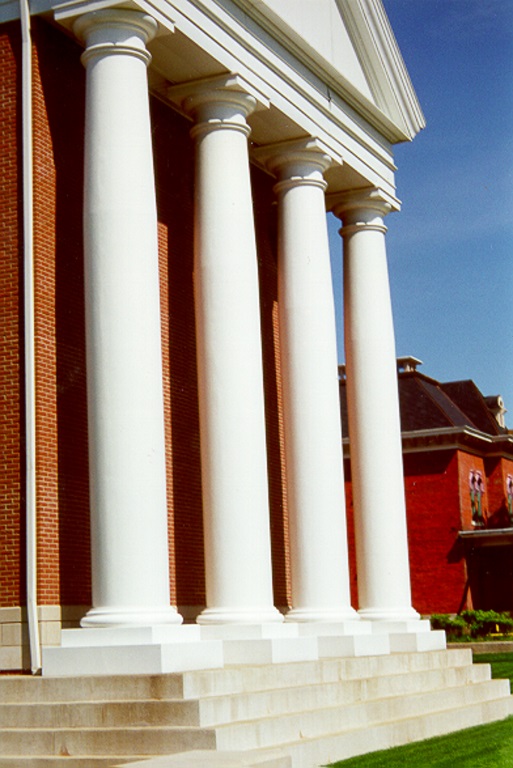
(428, 404)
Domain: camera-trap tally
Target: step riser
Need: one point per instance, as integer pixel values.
(65, 762)
(100, 715)
(40, 689)
(144, 741)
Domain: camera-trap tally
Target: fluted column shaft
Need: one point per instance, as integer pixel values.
(373, 410)
(130, 571)
(311, 407)
(230, 370)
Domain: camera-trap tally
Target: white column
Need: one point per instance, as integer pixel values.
(130, 570)
(311, 407)
(233, 444)
(373, 407)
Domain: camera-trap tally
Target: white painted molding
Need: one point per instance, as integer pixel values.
(384, 65)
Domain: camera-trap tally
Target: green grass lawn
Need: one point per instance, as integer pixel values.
(486, 746)
(502, 665)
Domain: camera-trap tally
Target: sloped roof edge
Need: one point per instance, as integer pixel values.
(383, 63)
(397, 114)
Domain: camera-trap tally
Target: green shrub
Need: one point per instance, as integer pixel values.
(455, 626)
(483, 623)
(473, 625)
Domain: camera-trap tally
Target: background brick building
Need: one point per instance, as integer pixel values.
(458, 473)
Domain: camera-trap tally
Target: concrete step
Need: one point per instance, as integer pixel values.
(87, 761)
(225, 681)
(216, 710)
(245, 679)
(219, 710)
(249, 759)
(307, 709)
(276, 730)
(272, 730)
(192, 759)
(341, 746)
(104, 741)
(26, 689)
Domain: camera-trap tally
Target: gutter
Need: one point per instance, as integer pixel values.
(28, 325)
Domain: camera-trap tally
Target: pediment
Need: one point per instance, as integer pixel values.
(352, 43)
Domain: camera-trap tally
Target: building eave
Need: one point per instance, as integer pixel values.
(453, 438)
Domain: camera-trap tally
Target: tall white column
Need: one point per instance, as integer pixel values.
(232, 424)
(311, 407)
(373, 408)
(130, 570)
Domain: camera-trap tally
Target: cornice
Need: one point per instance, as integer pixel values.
(452, 438)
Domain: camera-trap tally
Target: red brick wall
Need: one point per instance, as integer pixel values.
(438, 572)
(266, 232)
(61, 435)
(11, 406)
(174, 163)
(353, 576)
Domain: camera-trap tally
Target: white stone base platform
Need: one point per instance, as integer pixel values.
(172, 648)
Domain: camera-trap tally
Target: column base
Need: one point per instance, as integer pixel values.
(239, 616)
(325, 615)
(129, 616)
(389, 614)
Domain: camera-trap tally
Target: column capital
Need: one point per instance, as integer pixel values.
(115, 31)
(299, 161)
(221, 101)
(360, 209)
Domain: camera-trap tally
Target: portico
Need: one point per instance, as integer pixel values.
(244, 110)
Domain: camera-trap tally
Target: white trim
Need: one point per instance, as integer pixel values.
(28, 324)
(383, 63)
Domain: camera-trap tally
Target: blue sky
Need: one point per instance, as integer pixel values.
(450, 249)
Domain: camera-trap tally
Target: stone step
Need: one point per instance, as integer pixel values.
(309, 753)
(232, 708)
(225, 681)
(276, 730)
(316, 711)
(245, 679)
(219, 710)
(248, 759)
(87, 761)
(104, 741)
(191, 759)
(270, 731)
